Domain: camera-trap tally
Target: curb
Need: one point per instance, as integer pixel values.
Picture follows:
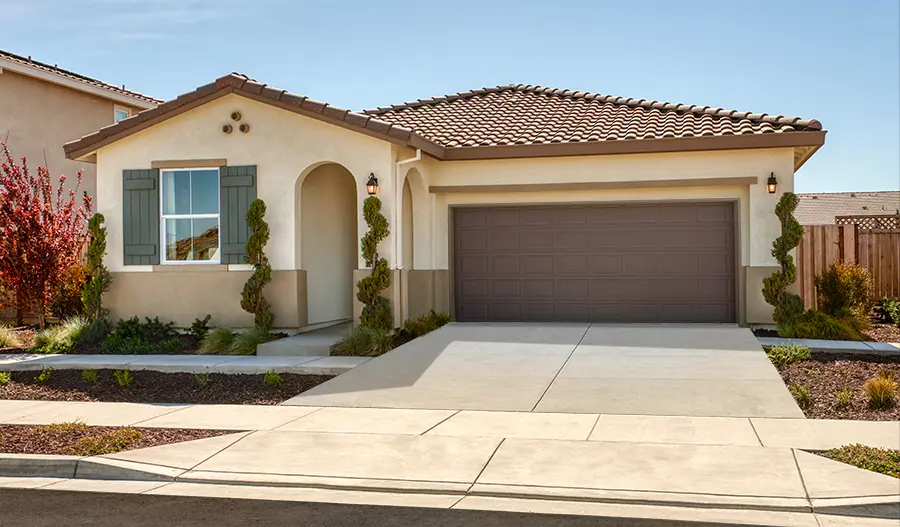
(100, 468)
(884, 349)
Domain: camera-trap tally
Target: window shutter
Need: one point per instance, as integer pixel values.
(238, 190)
(140, 206)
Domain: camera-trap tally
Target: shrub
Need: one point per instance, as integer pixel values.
(133, 337)
(44, 376)
(788, 306)
(252, 299)
(883, 460)
(217, 341)
(273, 379)
(5, 378)
(364, 342)
(60, 428)
(417, 327)
(109, 443)
(123, 377)
(889, 310)
(66, 299)
(814, 324)
(846, 291)
(784, 354)
(96, 332)
(202, 379)
(8, 337)
(844, 396)
(89, 376)
(801, 395)
(246, 343)
(200, 328)
(881, 391)
(376, 312)
(62, 338)
(100, 279)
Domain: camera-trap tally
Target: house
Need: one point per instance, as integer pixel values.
(43, 106)
(831, 207)
(505, 204)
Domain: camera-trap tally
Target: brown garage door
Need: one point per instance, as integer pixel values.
(665, 262)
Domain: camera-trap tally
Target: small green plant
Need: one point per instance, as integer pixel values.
(252, 299)
(8, 337)
(123, 377)
(844, 396)
(787, 305)
(202, 379)
(364, 342)
(272, 378)
(889, 310)
(200, 328)
(882, 460)
(100, 278)
(217, 341)
(376, 312)
(108, 443)
(801, 395)
(5, 378)
(89, 376)
(784, 354)
(881, 391)
(44, 376)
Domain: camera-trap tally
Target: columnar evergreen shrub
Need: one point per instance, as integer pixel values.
(787, 305)
(376, 312)
(99, 277)
(252, 299)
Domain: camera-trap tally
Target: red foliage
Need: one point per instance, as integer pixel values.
(41, 232)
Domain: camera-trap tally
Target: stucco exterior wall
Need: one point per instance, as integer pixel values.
(37, 118)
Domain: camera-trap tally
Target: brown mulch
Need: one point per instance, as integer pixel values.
(157, 387)
(826, 374)
(31, 439)
(882, 332)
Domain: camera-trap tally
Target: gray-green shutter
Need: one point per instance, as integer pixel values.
(238, 190)
(141, 216)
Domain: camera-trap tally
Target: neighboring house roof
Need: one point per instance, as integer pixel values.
(53, 73)
(509, 121)
(822, 208)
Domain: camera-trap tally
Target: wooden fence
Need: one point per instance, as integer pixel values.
(876, 249)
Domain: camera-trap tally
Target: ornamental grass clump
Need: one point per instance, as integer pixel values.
(376, 312)
(788, 306)
(881, 390)
(8, 337)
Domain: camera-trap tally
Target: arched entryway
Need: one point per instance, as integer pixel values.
(328, 239)
(408, 237)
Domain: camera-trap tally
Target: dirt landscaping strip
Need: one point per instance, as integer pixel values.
(79, 439)
(157, 387)
(826, 374)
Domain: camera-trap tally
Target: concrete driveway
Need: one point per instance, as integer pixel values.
(652, 369)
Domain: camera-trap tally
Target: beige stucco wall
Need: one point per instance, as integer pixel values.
(37, 118)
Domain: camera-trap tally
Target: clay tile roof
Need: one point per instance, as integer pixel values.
(822, 208)
(28, 61)
(526, 114)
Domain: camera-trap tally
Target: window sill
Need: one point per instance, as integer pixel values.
(186, 268)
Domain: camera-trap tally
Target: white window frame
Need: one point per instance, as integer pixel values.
(117, 108)
(163, 217)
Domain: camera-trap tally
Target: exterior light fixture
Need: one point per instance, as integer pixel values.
(772, 184)
(372, 185)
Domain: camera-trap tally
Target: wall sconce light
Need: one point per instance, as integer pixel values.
(372, 185)
(772, 184)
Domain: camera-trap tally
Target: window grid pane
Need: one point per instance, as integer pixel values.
(190, 215)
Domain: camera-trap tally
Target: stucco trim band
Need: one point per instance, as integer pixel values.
(594, 185)
(189, 163)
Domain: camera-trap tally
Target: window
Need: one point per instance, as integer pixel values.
(121, 113)
(190, 215)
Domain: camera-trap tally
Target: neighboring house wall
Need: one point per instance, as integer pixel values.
(38, 117)
(312, 225)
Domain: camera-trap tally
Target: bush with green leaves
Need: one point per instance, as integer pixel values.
(273, 379)
(377, 312)
(784, 354)
(801, 394)
(882, 460)
(124, 378)
(44, 376)
(152, 336)
(8, 337)
(62, 338)
(96, 332)
(845, 291)
(99, 277)
(889, 310)
(5, 378)
(788, 306)
(253, 300)
(815, 324)
(89, 376)
(200, 328)
(363, 341)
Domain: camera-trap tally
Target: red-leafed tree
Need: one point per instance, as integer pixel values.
(42, 229)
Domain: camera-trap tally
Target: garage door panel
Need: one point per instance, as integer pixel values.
(600, 262)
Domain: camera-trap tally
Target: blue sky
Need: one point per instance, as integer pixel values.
(835, 61)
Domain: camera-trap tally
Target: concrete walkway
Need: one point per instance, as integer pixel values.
(184, 363)
(836, 346)
(653, 369)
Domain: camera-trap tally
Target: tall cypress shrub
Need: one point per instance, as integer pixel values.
(99, 278)
(377, 312)
(788, 306)
(252, 299)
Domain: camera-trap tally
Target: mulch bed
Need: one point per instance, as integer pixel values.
(883, 332)
(826, 374)
(157, 387)
(30, 439)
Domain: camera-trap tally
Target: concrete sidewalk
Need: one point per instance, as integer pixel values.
(229, 364)
(836, 346)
